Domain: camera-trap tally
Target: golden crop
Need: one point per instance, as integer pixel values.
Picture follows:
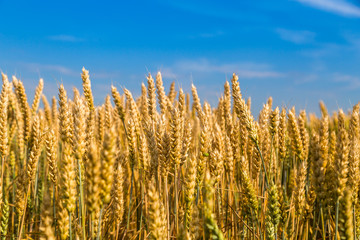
(72, 170)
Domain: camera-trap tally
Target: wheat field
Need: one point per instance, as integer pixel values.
(168, 166)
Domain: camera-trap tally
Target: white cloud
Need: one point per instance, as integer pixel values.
(297, 37)
(38, 67)
(339, 7)
(325, 49)
(207, 35)
(104, 75)
(305, 78)
(244, 70)
(350, 46)
(65, 38)
(168, 73)
(258, 74)
(353, 40)
(352, 82)
(65, 71)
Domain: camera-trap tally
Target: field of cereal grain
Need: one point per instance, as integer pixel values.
(168, 166)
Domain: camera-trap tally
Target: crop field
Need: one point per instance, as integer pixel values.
(166, 165)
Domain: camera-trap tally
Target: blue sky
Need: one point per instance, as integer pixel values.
(298, 51)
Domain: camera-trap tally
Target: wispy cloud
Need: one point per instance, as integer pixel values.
(65, 71)
(168, 73)
(105, 75)
(325, 49)
(245, 70)
(349, 44)
(339, 7)
(352, 82)
(353, 40)
(65, 38)
(207, 35)
(39, 67)
(258, 74)
(305, 78)
(297, 37)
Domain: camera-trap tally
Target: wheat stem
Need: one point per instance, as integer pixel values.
(336, 218)
(263, 163)
(82, 205)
